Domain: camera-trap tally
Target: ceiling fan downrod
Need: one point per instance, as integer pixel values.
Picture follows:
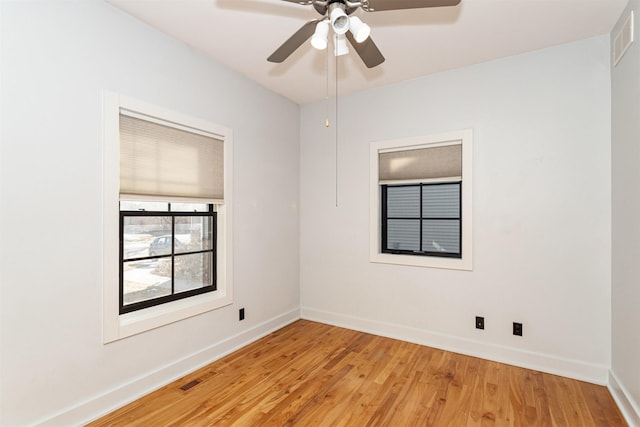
(351, 5)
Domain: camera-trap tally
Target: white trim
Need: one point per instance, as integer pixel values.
(202, 130)
(464, 137)
(570, 368)
(117, 326)
(172, 199)
(630, 409)
(420, 181)
(418, 143)
(145, 110)
(97, 406)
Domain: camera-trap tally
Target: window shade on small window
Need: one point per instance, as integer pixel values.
(159, 160)
(421, 164)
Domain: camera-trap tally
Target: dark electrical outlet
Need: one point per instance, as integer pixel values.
(241, 314)
(517, 329)
(479, 322)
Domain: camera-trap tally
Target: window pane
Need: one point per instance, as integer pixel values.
(128, 205)
(441, 201)
(193, 233)
(403, 235)
(138, 236)
(403, 202)
(145, 280)
(441, 236)
(193, 271)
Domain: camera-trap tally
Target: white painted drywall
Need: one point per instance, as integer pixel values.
(57, 57)
(625, 295)
(541, 124)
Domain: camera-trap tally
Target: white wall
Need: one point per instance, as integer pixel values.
(626, 224)
(57, 57)
(541, 124)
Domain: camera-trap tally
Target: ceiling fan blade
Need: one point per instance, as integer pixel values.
(293, 43)
(380, 5)
(368, 51)
(321, 8)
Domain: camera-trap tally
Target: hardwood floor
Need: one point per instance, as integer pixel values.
(311, 374)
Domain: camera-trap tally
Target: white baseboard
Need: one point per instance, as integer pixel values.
(576, 369)
(110, 400)
(100, 405)
(628, 406)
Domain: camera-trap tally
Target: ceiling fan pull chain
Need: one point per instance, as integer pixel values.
(336, 127)
(326, 120)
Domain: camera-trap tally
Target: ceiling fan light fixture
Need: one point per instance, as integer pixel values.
(359, 29)
(340, 45)
(320, 37)
(339, 21)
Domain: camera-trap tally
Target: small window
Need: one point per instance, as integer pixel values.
(420, 196)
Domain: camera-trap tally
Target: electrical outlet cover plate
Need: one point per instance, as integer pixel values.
(479, 322)
(517, 329)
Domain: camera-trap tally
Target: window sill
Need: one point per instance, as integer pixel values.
(422, 261)
(129, 324)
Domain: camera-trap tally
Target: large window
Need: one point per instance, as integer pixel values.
(421, 201)
(167, 216)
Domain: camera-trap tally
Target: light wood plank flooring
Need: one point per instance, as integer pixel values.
(311, 374)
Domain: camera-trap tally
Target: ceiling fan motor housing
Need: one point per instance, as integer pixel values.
(330, 4)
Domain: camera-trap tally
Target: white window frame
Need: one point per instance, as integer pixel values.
(375, 215)
(115, 325)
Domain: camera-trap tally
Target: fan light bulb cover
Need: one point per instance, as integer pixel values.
(320, 36)
(359, 29)
(339, 21)
(340, 45)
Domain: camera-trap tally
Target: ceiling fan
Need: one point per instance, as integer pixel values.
(335, 16)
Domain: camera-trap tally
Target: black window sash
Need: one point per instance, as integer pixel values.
(173, 296)
(421, 219)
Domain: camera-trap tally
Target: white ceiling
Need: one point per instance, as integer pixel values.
(243, 33)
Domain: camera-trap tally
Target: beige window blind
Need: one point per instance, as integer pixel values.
(421, 163)
(164, 161)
